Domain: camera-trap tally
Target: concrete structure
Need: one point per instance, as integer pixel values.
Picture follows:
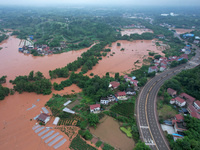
(162, 68)
(130, 91)
(95, 108)
(104, 101)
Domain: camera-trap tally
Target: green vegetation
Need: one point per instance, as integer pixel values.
(187, 81)
(125, 109)
(107, 147)
(165, 111)
(93, 119)
(141, 146)
(127, 131)
(78, 143)
(3, 79)
(86, 134)
(4, 91)
(118, 44)
(3, 37)
(98, 143)
(32, 83)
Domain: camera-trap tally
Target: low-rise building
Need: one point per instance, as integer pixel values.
(172, 101)
(104, 101)
(193, 112)
(197, 104)
(43, 118)
(189, 99)
(121, 95)
(152, 69)
(130, 91)
(171, 92)
(162, 68)
(179, 117)
(114, 84)
(95, 108)
(180, 102)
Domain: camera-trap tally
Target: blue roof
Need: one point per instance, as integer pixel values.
(188, 45)
(189, 35)
(177, 135)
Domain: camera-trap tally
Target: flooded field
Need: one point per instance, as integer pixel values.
(125, 61)
(182, 31)
(132, 31)
(109, 131)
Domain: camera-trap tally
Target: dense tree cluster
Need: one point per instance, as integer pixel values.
(3, 37)
(3, 79)
(4, 91)
(32, 83)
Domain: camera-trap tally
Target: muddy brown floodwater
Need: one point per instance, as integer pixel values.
(125, 61)
(182, 31)
(16, 125)
(14, 63)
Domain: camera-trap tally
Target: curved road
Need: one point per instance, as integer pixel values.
(149, 127)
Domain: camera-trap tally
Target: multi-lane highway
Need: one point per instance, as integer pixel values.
(149, 127)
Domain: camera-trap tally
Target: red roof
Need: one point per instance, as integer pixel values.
(154, 67)
(163, 67)
(170, 91)
(189, 98)
(94, 106)
(121, 93)
(179, 99)
(114, 84)
(179, 117)
(185, 56)
(42, 116)
(197, 102)
(195, 115)
(172, 99)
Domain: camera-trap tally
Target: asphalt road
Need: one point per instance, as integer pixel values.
(147, 119)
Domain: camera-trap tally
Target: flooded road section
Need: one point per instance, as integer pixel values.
(125, 61)
(14, 63)
(133, 31)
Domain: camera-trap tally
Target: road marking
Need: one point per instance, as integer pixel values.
(147, 117)
(145, 127)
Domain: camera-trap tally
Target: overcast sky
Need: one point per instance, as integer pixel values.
(104, 2)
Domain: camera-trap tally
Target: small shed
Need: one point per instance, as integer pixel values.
(43, 117)
(69, 101)
(56, 120)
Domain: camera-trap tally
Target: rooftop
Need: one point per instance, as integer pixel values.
(115, 84)
(179, 117)
(197, 102)
(179, 99)
(94, 106)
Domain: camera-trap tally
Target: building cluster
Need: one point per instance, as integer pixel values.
(196, 39)
(184, 100)
(188, 105)
(119, 95)
(162, 63)
(40, 49)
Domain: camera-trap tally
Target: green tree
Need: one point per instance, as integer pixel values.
(141, 146)
(93, 119)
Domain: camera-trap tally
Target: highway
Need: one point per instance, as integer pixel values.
(147, 119)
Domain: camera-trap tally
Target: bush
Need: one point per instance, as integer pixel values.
(91, 74)
(118, 44)
(107, 147)
(98, 143)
